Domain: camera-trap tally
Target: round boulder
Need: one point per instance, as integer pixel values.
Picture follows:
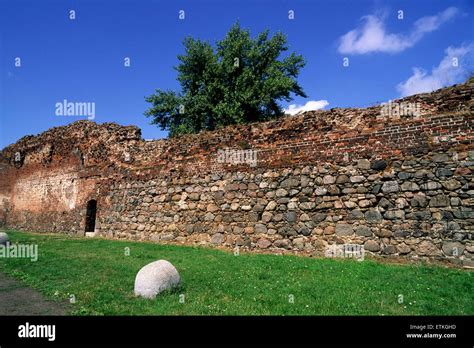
(154, 278)
(3, 238)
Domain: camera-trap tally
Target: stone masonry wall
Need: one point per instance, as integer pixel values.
(400, 186)
(418, 206)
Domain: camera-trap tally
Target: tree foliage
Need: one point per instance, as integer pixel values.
(240, 80)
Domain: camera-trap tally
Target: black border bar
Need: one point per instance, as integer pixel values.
(262, 330)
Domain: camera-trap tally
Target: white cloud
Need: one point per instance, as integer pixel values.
(373, 37)
(294, 109)
(443, 75)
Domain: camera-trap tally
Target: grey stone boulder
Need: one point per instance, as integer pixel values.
(343, 229)
(390, 186)
(155, 278)
(217, 238)
(373, 216)
(363, 164)
(372, 245)
(439, 201)
(453, 248)
(442, 158)
(378, 165)
(4, 238)
(363, 231)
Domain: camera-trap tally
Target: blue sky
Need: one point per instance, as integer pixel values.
(82, 60)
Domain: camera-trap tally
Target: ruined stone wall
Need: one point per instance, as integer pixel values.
(46, 181)
(397, 185)
(418, 206)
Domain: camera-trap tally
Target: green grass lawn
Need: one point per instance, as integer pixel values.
(214, 282)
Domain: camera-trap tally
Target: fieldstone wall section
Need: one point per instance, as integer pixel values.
(400, 186)
(419, 206)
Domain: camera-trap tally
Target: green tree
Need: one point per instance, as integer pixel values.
(241, 80)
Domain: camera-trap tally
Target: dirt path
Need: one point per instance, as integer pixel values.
(16, 299)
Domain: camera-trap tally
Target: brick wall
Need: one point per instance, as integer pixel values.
(397, 185)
